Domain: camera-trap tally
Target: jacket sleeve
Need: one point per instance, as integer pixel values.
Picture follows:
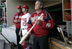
(46, 18)
(48, 21)
(29, 25)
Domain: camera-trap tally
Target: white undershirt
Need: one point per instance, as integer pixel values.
(24, 20)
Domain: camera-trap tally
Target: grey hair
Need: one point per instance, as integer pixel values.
(41, 2)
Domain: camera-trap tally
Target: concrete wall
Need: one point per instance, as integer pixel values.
(11, 7)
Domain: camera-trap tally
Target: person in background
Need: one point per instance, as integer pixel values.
(41, 29)
(17, 22)
(4, 21)
(24, 21)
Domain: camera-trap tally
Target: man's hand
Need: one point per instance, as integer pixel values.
(19, 33)
(48, 25)
(39, 23)
(16, 21)
(39, 19)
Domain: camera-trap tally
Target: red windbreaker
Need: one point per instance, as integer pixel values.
(17, 17)
(39, 30)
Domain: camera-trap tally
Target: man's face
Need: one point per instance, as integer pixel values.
(24, 10)
(37, 5)
(18, 10)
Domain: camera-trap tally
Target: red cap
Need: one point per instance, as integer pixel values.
(26, 7)
(18, 7)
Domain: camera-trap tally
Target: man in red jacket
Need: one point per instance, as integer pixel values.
(41, 29)
(17, 21)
